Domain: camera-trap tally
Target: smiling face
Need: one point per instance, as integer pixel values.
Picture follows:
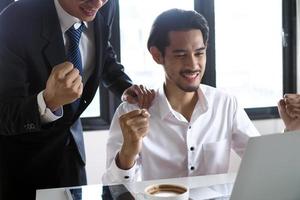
(84, 10)
(184, 60)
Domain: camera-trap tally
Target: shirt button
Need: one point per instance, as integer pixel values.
(190, 127)
(126, 177)
(192, 167)
(192, 148)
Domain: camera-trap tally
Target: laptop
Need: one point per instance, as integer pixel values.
(270, 169)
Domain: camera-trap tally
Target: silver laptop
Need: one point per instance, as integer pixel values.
(270, 169)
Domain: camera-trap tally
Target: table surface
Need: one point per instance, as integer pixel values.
(137, 188)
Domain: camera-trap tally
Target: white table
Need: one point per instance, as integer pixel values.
(138, 187)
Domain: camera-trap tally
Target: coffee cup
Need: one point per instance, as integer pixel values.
(166, 192)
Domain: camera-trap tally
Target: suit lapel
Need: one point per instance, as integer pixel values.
(54, 50)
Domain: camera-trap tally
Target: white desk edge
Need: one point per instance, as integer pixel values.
(137, 187)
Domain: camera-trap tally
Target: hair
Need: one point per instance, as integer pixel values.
(175, 20)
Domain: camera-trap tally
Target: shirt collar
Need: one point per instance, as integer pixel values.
(166, 111)
(66, 20)
(203, 100)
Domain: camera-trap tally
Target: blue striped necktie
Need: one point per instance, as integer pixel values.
(73, 54)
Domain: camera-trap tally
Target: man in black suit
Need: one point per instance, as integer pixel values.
(42, 94)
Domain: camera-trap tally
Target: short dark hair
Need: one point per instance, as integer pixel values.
(175, 20)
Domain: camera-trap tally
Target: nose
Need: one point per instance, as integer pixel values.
(191, 61)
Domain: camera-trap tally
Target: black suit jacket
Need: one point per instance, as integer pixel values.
(31, 43)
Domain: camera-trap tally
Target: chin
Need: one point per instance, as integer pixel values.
(194, 89)
(189, 88)
(88, 19)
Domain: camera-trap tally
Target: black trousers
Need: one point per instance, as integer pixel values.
(68, 170)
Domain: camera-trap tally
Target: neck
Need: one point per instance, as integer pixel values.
(181, 101)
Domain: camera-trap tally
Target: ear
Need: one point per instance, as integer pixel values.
(156, 55)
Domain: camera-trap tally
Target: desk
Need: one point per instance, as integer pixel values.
(138, 187)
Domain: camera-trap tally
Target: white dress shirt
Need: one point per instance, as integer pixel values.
(175, 147)
(87, 50)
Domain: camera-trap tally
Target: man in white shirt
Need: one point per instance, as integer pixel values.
(190, 128)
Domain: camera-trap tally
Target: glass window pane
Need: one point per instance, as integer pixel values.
(93, 110)
(249, 50)
(136, 18)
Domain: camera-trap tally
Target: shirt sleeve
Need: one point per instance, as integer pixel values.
(113, 173)
(46, 114)
(243, 129)
(116, 175)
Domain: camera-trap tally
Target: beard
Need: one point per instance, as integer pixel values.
(189, 88)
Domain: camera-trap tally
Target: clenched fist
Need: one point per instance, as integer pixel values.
(134, 126)
(64, 86)
(289, 110)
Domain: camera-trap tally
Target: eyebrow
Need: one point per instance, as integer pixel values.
(182, 50)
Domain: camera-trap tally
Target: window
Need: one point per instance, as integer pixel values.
(248, 44)
(249, 49)
(93, 110)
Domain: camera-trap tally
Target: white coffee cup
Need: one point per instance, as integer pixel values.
(166, 192)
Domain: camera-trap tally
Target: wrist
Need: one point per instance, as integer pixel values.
(50, 103)
(125, 161)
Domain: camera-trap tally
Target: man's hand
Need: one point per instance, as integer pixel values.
(292, 102)
(139, 95)
(64, 86)
(134, 126)
(289, 115)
